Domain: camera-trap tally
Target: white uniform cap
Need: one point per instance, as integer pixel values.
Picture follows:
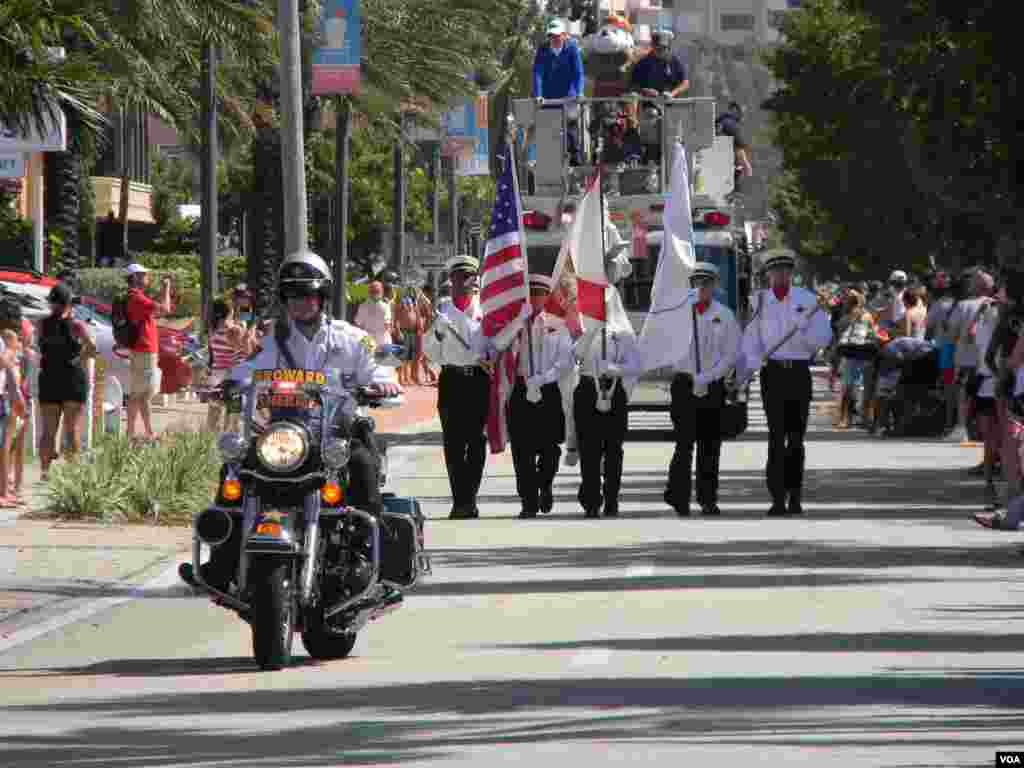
(462, 263)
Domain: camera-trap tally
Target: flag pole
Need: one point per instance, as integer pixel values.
(511, 158)
(604, 255)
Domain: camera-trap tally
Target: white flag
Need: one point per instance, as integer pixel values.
(671, 294)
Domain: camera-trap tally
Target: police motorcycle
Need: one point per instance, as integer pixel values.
(308, 563)
(290, 552)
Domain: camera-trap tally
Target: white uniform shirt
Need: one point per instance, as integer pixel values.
(719, 340)
(622, 350)
(552, 350)
(466, 324)
(374, 317)
(336, 344)
(776, 319)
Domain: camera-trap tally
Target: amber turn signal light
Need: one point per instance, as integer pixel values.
(330, 493)
(231, 490)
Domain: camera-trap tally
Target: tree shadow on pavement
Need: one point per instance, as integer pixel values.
(393, 724)
(921, 492)
(761, 554)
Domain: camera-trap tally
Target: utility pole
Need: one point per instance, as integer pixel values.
(453, 207)
(342, 128)
(435, 198)
(398, 205)
(208, 185)
(293, 165)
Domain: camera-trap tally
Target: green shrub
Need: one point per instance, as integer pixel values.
(120, 482)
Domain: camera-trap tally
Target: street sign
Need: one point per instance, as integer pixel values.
(12, 166)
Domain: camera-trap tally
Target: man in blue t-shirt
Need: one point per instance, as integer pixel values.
(659, 74)
(558, 74)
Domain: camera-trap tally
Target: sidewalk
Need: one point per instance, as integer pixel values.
(47, 567)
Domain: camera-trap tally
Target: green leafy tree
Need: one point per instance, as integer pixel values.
(893, 122)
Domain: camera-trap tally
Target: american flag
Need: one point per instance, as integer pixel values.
(504, 295)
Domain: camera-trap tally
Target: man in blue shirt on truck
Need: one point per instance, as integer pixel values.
(558, 74)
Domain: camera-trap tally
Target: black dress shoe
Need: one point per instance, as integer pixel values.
(591, 513)
(456, 513)
(472, 512)
(547, 501)
(777, 510)
(683, 510)
(794, 507)
(710, 510)
(527, 514)
(611, 509)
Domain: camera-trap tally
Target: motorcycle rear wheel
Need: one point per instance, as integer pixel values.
(320, 644)
(272, 627)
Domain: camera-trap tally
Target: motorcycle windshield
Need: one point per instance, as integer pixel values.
(310, 398)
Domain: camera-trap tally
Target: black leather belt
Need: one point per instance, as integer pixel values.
(770, 363)
(465, 370)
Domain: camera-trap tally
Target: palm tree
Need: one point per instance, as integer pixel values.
(128, 55)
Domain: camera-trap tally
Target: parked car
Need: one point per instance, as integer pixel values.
(34, 291)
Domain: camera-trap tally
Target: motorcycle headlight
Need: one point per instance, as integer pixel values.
(232, 446)
(336, 453)
(283, 447)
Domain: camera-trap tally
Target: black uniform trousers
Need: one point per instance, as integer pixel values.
(599, 436)
(786, 394)
(697, 422)
(535, 430)
(463, 395)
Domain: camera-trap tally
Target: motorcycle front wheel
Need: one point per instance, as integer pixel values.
(323, 645)
(272, 625)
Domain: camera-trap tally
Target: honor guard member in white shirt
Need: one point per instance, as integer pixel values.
(599, 410)
(709, 342)
(456, 342)
(782, 311)
(536, 415)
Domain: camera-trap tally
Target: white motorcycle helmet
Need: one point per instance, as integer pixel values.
(307, 273)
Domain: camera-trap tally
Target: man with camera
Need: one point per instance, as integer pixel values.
(144, 380)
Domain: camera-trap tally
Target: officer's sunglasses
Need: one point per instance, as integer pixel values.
(298, 291)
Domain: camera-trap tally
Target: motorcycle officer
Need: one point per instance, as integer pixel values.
(306, 337)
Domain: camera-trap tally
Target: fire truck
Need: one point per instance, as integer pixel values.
(635, 195)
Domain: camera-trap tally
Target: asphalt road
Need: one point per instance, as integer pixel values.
(884, 629)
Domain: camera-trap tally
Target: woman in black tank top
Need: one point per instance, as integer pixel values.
(64, 345)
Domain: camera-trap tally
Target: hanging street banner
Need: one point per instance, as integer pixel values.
(466, 137)
(12, 166)
(336, 63)
(53, 140)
